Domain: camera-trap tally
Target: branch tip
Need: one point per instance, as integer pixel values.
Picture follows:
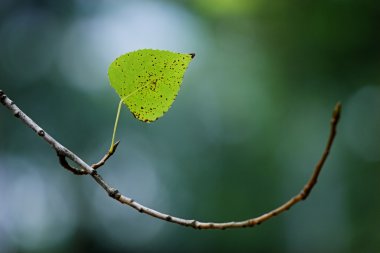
(337, 111)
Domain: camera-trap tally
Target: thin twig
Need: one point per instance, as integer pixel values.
(106, 156)
(114, 193)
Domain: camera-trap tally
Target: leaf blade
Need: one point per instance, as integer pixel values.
(148, 81)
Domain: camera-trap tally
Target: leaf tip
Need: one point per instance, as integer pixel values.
(192, 55)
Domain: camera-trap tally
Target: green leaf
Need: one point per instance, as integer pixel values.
(148, 81)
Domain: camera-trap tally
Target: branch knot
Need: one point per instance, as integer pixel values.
(114, 193)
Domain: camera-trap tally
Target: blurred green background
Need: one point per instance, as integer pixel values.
(243, 136)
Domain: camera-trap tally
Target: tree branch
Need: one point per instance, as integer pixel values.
(64, 153)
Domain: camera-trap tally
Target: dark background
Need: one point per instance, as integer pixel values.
(243, 136)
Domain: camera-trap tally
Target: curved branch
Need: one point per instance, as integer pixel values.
(114, 193)
(66, 165)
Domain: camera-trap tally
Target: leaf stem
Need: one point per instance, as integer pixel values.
(117, 119)
(115, 127)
